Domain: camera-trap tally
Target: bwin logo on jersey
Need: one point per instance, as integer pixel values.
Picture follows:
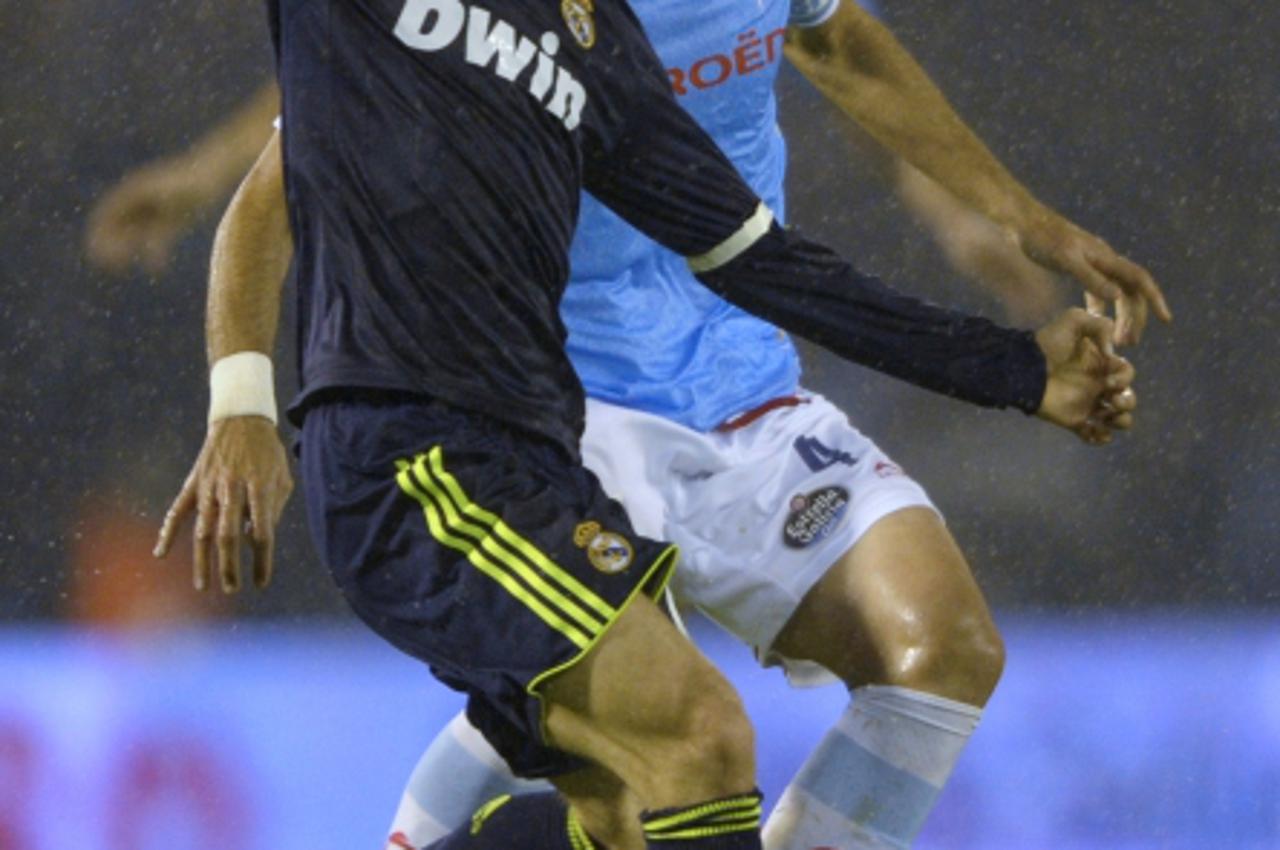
(493, 44)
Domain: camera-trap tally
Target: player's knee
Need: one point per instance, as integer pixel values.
(727, 740)
(960, 657)
(713, 745)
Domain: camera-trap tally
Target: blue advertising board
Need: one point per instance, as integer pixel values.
(1107, 733)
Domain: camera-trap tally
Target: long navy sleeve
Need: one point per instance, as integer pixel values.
(806, 289)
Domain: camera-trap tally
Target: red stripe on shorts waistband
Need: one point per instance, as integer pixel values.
(742, 420)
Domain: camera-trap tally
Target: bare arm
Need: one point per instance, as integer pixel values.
(240, 481)
(976, 248)
(859, 65)
(251, 253)
(150, 208)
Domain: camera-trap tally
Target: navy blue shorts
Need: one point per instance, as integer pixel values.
(483, 551)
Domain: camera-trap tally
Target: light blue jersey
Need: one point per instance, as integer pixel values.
(643, 333)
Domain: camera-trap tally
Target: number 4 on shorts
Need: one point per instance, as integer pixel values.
(818, 457)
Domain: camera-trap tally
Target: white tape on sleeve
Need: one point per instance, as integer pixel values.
(742, 239)
(242, 384)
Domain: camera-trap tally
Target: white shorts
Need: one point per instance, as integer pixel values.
(760, 512)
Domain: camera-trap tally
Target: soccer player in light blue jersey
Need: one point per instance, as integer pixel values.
(797, 533)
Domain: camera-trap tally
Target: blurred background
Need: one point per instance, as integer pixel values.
(1138, 585)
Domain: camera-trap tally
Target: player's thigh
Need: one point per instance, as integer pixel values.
(643, 694)
(900, 607)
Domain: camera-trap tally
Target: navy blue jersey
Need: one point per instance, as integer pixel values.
(434, 151)
(434, 154)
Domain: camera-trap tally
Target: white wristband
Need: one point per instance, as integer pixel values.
(242, 384)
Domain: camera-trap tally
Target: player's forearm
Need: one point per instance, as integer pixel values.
(220, 157)
(804, 288)
(251, 253)
(862, 68)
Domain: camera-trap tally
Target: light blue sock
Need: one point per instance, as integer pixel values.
(876, 775)
(457, 774)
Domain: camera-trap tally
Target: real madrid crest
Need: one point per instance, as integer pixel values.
(579, 17)
(608, 552)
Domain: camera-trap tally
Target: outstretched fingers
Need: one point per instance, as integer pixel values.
(237, 490)
(203, 536)
(1095, 282)
(262, 521)
(231, 513)
(1138, 294)
(1135, 280)
(176, 516)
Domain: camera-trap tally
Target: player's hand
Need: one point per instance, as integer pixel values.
(237, 489)
(1090, 388)
(1058, 245)
(140, 219)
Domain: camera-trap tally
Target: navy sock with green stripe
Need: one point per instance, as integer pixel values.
(535, 821)
(729, 823)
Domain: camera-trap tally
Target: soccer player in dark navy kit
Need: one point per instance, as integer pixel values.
(432, 152)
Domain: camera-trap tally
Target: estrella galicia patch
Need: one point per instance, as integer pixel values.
(579, 17)
(607, 551)
(813, 516)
